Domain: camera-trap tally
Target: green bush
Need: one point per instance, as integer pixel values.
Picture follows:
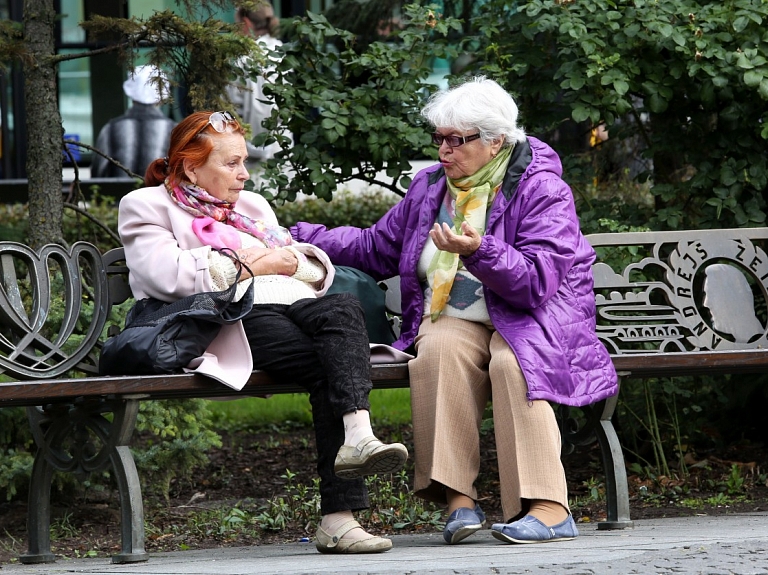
(94, 221)
(347, 209)
(15, 456)
(177, 435)
(685, 80)
(353, 108)
(13, 222)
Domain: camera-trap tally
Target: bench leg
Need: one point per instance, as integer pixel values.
(131, 507)
(129, 487)
(75, 425)
(39, 513)
(598, 425)
(616, 488)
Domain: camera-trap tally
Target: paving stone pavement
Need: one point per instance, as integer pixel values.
(729, 544)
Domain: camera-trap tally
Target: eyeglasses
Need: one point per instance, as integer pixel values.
(453, 141)
(218, 121)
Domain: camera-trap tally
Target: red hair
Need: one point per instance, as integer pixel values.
(190, 141)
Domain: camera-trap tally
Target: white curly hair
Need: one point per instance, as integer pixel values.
(478, 104)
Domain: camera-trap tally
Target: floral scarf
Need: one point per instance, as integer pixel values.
(198, 202)
(473, 196)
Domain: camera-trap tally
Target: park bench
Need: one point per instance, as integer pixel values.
(660, 313)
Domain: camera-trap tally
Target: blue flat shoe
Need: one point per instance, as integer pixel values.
(531, 530)
(462, 523)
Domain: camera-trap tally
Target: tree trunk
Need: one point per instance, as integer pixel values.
(44, 128)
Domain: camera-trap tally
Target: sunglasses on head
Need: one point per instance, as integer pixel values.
(219, 121)
(453, 141)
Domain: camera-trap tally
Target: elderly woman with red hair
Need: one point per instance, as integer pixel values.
(179, 234)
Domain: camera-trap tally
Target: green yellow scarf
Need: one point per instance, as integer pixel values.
(473, 195)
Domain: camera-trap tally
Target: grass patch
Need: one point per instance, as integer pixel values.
(256, 412)
(692, 503)
(390, 406)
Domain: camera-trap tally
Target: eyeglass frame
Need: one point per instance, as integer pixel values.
(438, 139)
(221, 118)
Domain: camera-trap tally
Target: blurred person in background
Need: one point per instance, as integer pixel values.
(247, 95)
(142, 134)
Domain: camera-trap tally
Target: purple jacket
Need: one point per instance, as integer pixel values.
(534, 263)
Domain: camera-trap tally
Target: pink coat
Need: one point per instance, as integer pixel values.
(167, 261)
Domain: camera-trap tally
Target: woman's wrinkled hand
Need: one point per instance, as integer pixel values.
(250, 256)
(464, 245)
(267, 261)
(280, 262)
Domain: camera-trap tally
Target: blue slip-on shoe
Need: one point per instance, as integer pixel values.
(531, 530)
(462, 523)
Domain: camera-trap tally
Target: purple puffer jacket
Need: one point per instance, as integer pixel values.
(534, 263)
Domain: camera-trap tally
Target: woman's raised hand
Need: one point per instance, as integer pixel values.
(464, 245)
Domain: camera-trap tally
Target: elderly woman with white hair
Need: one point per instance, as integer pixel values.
(496, 282)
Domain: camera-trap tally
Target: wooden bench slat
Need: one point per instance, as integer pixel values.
(693, 363)
(30, 393)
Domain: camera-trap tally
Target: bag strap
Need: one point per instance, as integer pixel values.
(239, 266)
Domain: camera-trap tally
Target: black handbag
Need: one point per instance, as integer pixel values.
(162, 338)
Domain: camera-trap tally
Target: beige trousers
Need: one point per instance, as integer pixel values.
(459, 365)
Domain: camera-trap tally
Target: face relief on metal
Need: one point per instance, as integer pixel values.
(691, 294)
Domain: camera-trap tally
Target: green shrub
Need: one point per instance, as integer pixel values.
(15, 458)
(94, 221)
(354, 109)
(178, 434)
(347, 208)
(13, 222)
(683, 83)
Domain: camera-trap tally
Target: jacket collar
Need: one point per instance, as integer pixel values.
(435, 176)
(518, 163)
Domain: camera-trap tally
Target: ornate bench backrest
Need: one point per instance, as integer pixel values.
(53, 307)
(656, 292)
(666, 292)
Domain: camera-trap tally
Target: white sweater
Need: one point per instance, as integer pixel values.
(268, 288)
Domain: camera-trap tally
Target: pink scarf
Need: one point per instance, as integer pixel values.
(211, 212)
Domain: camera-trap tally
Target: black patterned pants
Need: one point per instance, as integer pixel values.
(322, 345)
